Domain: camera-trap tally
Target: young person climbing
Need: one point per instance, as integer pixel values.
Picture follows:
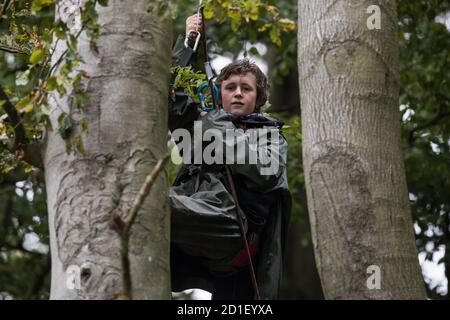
(230, 217)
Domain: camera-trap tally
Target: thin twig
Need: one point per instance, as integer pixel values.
(48, 60)
(10, 49)
(440, 115)
(63, 54)
(145, 189)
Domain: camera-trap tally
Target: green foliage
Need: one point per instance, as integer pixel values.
(38, 5)
(28, 32)
(425, 100)
(187, 79)
(24, 269)
(257, 16)
(30, 79)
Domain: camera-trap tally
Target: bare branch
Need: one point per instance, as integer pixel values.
(123, 226)
(11, 49)
(440, 115)
(144, 191)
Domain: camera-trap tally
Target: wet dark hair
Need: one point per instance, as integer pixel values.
(244, 66)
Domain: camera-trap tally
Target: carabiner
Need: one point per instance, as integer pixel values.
(197, 39)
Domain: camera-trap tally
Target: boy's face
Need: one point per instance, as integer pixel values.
(239, 93)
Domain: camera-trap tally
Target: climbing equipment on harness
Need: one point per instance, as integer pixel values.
(197, 33)
(207, 64)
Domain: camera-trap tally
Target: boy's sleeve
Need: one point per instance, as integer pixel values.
(268, 176)
(182, 109)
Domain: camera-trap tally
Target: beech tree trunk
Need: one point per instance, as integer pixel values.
(355, 177)
(127, 134)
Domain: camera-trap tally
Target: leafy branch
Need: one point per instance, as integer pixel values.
(257, 13)
(187, 79)
(27, 109)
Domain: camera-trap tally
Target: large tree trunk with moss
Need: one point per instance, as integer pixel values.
(127, 127)
(354, 172)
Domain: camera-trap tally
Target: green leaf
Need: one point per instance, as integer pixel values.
(264, 27)
(24, 105)
(37, 56)
(65, 125)
(46, 109)
(39, 4)
(79, 144)
(7, 169)
(51, 84)
(84, 126)
(208, 11)
(254, 51)
(287, 25)
(275, 36)
(22, 78)
(28, 168)
(68, 147)
(235, 17)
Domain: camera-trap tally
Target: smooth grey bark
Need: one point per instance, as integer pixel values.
(127, 135)
(354, 172)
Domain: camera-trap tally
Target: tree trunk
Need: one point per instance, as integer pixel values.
(354, 172)
(127, 135)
